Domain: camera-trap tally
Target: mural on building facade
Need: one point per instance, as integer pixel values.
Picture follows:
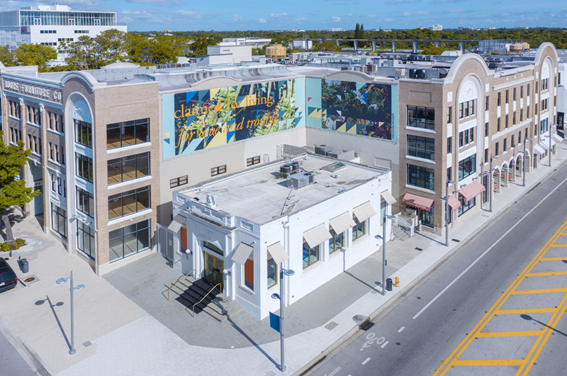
(355, 107)
(208, 118)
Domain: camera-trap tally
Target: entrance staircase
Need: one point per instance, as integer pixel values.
(196, 295)
(399, 233)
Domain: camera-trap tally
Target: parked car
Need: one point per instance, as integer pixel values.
(8, 279)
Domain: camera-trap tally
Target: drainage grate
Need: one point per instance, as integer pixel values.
(366, 325)
(419, 249)
(332, 325)
(456, 240)
(87, 344)
(29, 280)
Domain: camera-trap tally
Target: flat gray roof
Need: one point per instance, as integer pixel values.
(260, 195)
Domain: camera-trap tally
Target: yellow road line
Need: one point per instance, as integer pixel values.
(545, 274)
(455, 354)
(489, 362)
(538, 291)
(525, 310)
(553, 259)
(558, 245)
(525, 333)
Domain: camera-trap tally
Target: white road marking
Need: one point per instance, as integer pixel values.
(335, 371)
(488, 250)
(402, 328)
(366, 361)
(384, 345)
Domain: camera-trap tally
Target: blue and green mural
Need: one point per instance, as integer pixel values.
(203, 119)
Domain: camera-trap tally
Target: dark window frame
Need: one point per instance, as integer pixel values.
(423, 147)
(144, 192)
(176, 182)
(120, 234)
(141, 129)
(218, 170)
(422, 177)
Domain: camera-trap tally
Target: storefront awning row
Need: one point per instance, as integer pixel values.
(557, 137)
(364, 211)
(342, 223)
(387, 196)
(244, 250)
(317, 235)
(278, 252)
(471, 190)
(418, 202)
(454, 203)
(538, 150)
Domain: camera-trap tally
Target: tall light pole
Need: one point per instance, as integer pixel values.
(492, 179)
(60, 281)
(524, 166)
(447, 212)
(386, 217)
(289, 273)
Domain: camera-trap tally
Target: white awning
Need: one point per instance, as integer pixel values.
(387, 196)
(557, 137)
(342, 223)
(242, 253)
(544, 145)
(364, 211)
(177, 223)
(538, 150)
(278, 252)
(317, 235)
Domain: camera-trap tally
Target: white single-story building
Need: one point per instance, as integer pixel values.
(315, 215)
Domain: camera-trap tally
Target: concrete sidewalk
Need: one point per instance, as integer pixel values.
(115, 336)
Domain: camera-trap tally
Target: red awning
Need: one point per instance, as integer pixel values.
(454, 203)
(472, 190)
(417, 202)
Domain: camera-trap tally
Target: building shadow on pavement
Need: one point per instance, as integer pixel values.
(235, 326)
(52, 306)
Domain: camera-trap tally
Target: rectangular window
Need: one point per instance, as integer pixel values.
(467, 140)
(521, 91)
(514, 94)
(337, 241)
(218, 170)
(59, 220)
(85, 202)
(465, 205)
(85, 239)
(461, 140)
(472, 107)
(528, 112)
(51, 151)
(127, 133)
(421, 117)
(83, 133)
(421, 177)
(505, 146)
(84, 167)
(128, 168)
(421, 147)
(535, 113)
(62, 161)
(130, 202)
(310, 255)
(449, 115)
(486, 103)
(512, 144)
(472, 135)
(467, 167)
(496, 151)
(449, 145)
(485, 129)
(506, 122)
(359, 230)
(449, 173)
(249, 272)
(485, 155)
(498, 125)
(521, 115)
(513, 118)
(272, 271)
(129, 240)
(252, 161)
(528, 91)
(461, 110)
(499, 97)
(519, 137)
(182, 180)
(507, 97)
(467, 106)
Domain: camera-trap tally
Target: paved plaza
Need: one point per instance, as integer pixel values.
(125, 325)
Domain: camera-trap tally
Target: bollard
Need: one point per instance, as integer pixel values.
(24, 266)
(389, 284)
(397, 282)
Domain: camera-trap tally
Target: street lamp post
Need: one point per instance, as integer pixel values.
(524, 160)
(280, 296)
(492, 179)
(386, 217)
(550, 133)
(60, 281)
(447, 212)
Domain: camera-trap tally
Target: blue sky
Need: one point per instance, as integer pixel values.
(145, 15)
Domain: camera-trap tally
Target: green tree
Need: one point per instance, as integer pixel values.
(328, 45)
(151, 51)
(35, 54)
(6, 57)
(13, 192)
(200, 44)
(80, 55)
(113, 44)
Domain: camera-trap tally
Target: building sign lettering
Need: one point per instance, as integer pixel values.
(40, 92)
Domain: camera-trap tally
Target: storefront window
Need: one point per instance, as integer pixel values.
(359, 229)
(426, 217)
(85, 239)
(337, 240)
(59, 220)
(129, 240)
(310, 255)
(465, 206)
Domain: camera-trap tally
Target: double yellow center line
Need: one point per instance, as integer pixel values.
(524, 364)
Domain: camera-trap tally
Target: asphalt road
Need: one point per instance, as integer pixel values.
(11, 363)
(399, 344)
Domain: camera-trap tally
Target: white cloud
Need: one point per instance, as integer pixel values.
(300, 19)
(281, 16)
(349, 15)
(336, 19)
(418, 13)
(388, 19)
(371, 16)
(188, 13)
(235, 18)
(262, 20)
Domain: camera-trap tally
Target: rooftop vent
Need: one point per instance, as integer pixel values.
(300, 180)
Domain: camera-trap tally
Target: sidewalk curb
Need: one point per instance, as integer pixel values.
(26, 352)
(420, 278)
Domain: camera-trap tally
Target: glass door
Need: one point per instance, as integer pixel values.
(214, 267)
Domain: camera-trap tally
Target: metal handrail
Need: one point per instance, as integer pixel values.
(203, 298)
(179, 281)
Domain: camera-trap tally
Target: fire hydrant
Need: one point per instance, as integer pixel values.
(397, 282)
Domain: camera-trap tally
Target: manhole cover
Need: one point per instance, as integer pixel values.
(359, 318)
(366, 325)
(28, 280)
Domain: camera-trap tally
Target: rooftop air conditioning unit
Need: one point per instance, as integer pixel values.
(332, 154)
(322, 149)
(300, 180)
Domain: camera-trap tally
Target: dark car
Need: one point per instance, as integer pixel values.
(8, 279)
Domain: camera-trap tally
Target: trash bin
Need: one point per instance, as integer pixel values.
(24, 266)
(389, 284)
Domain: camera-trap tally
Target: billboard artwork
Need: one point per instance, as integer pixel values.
(358, 108)
(208, 118)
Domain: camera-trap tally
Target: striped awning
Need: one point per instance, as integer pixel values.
(417, 202)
